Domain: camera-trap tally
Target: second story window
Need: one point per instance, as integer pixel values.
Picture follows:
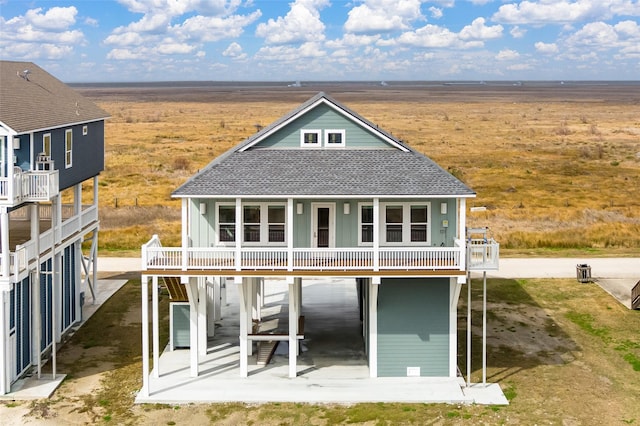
(68, 148)
(334, 138)
(366, 224)
(46, 144)
(310, 138)
(251, 219)
(226, 224)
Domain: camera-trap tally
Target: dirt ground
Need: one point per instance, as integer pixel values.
(556, 361)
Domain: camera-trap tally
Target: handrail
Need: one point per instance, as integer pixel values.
(635, 296)
(155, 256)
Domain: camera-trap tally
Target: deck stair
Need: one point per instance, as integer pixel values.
(177, 290)
(266, 351)
(635, 296)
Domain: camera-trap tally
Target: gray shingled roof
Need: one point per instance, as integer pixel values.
(300, 172)
(318, 172)
(40, 101)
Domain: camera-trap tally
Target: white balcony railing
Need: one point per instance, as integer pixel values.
(70, 228)
(483, 254)
(155, 256)
(29, 187)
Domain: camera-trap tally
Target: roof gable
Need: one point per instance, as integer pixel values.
(247, 171)
(31, 99)
(322, 113)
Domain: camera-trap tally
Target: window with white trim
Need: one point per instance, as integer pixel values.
(310, 138)
(46, 144)
(365, 224)
(334, 138)
(226, 223)
(276, 218)
(85, 130)
(251, 224)
(68, 148)
(262, 223)
(405, 223)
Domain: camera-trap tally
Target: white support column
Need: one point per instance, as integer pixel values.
(94, 243)
(373, 326)
(454, 294)
(11, 193)
(202, 316)
(36, 317)
(238, 235)
(145, 335)
(484, 327)
(298, 299)
(4, 371)
(4, 241)
(155, 320)
(185, 233)
(293, 330)
(212, 290)
(462, 233)
(191, 286)
(244, 367)
(376, 234)
(250, 300)
(289, 235)
(468, 329)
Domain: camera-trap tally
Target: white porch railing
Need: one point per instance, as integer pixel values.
(155, 256)
(76, 225)
(29, 186)
(483, 255)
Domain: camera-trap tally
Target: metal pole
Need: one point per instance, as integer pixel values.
(484, 327)
(468, 329)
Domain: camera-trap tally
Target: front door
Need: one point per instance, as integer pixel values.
(323, 225)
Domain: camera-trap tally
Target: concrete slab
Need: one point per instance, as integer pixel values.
(31, 387)
(332, 366)
(619, 288)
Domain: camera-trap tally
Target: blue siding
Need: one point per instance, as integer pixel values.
(324, 117)
(87, 153)
(413, 326)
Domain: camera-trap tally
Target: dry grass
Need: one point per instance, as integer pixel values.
(553, 173)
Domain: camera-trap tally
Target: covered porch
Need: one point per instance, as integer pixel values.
(331, 367)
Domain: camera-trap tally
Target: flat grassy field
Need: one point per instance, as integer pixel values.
(564, 353)
(558, 167)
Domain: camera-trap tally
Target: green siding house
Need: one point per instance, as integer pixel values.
(323, 192)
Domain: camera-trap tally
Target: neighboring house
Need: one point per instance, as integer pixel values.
(323, 192)
(51, 141)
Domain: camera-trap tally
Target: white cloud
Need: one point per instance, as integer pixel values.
(546, 48)
(436, 37)
(302, 23)
(56, 18)
(213, 28)
(40, 34)
(383, 16)
(517, 32)
(436, 13)
(286, 53)
(155, 34)
(479, 31)
(563, 11)
(507, 55)
(234, 51)
(353, 40)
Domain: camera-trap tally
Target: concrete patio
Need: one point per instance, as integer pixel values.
(332, 366)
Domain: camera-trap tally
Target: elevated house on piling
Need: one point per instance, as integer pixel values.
(51, 142)
(323, 193)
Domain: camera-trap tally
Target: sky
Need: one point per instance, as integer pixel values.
(325, 40)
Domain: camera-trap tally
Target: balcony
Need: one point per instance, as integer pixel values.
(32, 186)
(24, 251)
(414, 260)
(483, 254)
